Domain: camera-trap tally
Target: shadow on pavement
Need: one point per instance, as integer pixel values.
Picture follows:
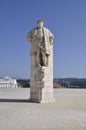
(16, 100)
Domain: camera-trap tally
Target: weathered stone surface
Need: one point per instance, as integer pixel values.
(41, 53)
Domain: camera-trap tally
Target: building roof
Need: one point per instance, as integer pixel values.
(7, 79)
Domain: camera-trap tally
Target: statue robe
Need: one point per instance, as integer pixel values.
(32, 37)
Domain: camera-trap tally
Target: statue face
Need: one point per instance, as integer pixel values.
(40, 24)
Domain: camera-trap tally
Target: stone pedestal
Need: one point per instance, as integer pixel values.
(41, 86)
(41, 52)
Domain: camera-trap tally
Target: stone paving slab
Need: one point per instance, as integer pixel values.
(67, 113)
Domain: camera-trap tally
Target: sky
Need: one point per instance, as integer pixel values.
(67, 21)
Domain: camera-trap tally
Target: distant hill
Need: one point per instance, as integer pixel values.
(71, 82)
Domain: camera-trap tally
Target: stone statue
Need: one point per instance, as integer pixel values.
(41, 39)
(41, 72)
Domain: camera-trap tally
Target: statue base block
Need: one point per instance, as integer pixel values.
(41, 90)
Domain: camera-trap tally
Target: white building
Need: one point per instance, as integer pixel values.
(8, 82)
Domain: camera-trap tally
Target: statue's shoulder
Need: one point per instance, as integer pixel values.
(46, 29)
(33, 29)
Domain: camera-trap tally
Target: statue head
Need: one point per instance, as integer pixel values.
(40, 23)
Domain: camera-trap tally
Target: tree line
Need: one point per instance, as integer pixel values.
(58, 83)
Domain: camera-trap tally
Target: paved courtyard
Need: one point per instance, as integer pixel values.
(67, 113)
